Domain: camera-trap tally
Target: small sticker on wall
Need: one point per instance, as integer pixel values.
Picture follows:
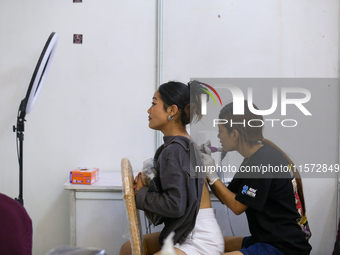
(77, 1)
(78, 38)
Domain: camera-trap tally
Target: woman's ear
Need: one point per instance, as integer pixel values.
(172, 110)
(235, 135)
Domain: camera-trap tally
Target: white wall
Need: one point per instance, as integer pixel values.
(92, 109)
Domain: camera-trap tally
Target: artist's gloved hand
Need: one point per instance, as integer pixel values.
(204, 147)
(210, 165)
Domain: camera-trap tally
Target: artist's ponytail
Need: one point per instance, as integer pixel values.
(294, 171)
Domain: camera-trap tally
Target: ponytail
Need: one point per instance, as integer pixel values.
(295, 173)
(195, 107)
(186, 97)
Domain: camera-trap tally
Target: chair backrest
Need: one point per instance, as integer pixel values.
(136, 238)
(15, 228)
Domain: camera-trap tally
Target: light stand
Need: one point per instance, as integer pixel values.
(28, 102)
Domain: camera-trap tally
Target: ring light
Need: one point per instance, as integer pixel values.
(28, 102)
(40, 72)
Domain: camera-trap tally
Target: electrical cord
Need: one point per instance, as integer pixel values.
(223, 154)
(17, 139)
(231, 227)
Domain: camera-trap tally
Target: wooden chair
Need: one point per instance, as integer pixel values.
(136, 238)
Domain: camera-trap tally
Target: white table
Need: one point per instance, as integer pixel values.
(97, 213)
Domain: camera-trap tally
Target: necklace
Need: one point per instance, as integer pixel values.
(247, 160)
(252, 154)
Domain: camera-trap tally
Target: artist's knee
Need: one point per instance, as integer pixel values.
(232, 243)
(125, 249)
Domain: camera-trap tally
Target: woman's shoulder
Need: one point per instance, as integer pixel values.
(176, 149)
(175, 143)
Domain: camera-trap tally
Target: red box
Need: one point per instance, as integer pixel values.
(84, 175)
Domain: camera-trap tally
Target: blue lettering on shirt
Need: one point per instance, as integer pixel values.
(245, 188)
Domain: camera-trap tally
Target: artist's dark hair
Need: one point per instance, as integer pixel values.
(186, 97)
(253, 134)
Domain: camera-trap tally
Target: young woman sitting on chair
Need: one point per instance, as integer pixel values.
(184, 202)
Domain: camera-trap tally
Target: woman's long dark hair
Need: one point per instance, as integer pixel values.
(253, 134)
(186, 97)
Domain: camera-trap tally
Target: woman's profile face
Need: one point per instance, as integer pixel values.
(158, 117)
